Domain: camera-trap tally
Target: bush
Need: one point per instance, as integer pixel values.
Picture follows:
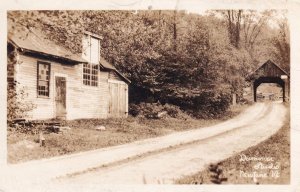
(210, 104)
(17, 106)
(246, 101)
(148, 110)
(26, 129)
(175, 111)
(156, 110)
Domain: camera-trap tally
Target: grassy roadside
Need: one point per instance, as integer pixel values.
(234, 171)
(82, 136)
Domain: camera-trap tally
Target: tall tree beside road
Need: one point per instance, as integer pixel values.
(253, 24)
(234, 26)
(282, 44)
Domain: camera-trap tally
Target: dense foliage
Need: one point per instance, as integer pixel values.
(188, 60)
(18, 107)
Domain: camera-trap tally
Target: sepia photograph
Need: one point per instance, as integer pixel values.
(147, 97)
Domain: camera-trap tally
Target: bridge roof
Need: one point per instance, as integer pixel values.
(269, 69)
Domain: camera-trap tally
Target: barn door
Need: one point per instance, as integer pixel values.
(122, 100)
(60, 97)
(114, 100)
(118, 99)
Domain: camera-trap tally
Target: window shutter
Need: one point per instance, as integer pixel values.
(95, 52)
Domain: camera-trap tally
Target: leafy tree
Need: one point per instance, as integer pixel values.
(234, 18)
(282, 45)
(17, 106)
(253, 24)
(193, 61)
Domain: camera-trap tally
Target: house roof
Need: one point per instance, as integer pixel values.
(106, 65)
(34, 41)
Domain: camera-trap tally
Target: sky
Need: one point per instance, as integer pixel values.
(197, 6)
(200, 7)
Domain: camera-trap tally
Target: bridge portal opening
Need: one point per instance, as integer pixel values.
(269, 92)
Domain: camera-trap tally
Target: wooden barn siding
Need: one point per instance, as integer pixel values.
(82, 101)
(270, 70)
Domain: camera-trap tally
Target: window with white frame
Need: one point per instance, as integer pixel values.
(43, 78)
(91, 53)
(90, 74)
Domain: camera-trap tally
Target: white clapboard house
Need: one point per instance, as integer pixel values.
(64, 85)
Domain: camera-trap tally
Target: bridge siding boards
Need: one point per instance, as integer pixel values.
(270, 69)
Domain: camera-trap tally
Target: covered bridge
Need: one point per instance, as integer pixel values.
(270, 72)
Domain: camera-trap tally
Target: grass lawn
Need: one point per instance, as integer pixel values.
(277, 147)
(82, 136)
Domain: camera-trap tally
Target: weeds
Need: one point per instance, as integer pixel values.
(216, 174)
(83, 136)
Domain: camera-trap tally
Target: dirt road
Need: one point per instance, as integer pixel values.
(210, 144)
(157, 160)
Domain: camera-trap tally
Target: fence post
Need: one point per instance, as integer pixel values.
(234, 99)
